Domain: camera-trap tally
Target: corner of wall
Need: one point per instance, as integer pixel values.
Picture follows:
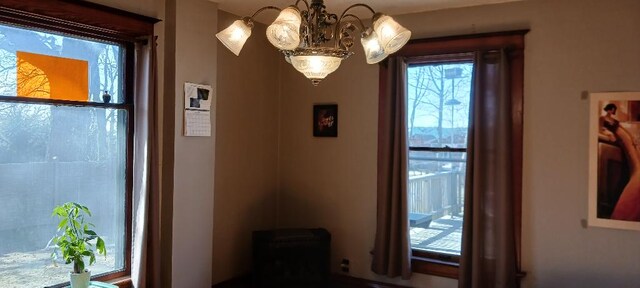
(279, 151)
(246, 177)
(194, 60)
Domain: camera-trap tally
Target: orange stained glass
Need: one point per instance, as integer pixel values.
(44, 76)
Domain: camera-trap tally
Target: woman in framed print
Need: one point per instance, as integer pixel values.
(628, 205)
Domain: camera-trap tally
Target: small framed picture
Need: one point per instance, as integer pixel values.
(325, 120)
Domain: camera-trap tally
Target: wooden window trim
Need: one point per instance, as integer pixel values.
(124, 282)
(93, 21)
(79, 18)
(420, 49)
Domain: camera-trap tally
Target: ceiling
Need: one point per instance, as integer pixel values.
(391, 7)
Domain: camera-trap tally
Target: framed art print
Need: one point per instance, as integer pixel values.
(614, 160)
(325, 120)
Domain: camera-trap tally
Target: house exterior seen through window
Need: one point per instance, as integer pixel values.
(438, 95)
(63, 137)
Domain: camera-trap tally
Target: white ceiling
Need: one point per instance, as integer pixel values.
(391, 7)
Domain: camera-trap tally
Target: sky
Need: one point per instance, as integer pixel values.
(432, 79)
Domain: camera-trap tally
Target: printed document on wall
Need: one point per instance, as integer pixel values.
(197, 109)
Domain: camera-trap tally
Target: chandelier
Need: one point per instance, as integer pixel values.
(315, 41)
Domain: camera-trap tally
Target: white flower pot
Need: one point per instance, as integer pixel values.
(80, 280)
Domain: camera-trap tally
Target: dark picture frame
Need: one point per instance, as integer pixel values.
(325, 120)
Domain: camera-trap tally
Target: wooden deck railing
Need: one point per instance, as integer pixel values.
(436, 194)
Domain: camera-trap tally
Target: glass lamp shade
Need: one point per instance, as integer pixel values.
(316, 67)
(284, 33)
(372, 49)
(234, 36)
(392, 36)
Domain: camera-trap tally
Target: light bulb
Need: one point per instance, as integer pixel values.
(392, 36)
(316, 67)
(234, 36)
(373, 51)
(237, 34)
(315, 64)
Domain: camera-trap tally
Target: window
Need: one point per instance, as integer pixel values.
(438, 85)
(60, 138)
(64, 136)
(438, 95)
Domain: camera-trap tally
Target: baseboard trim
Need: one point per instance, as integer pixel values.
(337, 281)
(345, 281)
(243, 281)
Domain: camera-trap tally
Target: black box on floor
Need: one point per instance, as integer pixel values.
(291, 258)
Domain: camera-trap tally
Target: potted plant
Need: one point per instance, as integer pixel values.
(76, 240)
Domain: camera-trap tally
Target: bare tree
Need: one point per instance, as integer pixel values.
(89, 133)
(430, 90)
(22, 127)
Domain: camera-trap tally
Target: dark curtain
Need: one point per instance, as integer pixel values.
(392, 248)
(489, 245)
(145, 270)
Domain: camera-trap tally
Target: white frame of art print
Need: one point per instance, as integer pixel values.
(597, 102)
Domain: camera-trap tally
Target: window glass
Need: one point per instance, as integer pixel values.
(50, 155)
(438, 104)
(437, 126)
(45, 65)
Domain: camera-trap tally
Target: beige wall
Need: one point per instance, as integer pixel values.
(195, 62)
(574, 46)
(246, 149)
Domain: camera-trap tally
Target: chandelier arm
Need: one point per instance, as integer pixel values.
(362, 27)
(346, 26)
(305, 3)
(264, 9)
(344, 13)
(354, 6)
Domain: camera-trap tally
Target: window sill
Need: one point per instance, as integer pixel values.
(122, 282)
(443, 268)
(434, 267)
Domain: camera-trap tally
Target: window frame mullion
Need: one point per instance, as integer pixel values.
(437, 149)
(56, 102)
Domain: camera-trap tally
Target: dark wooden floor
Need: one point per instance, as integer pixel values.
(337, 281)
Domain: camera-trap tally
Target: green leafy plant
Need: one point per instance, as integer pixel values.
(75, 238)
